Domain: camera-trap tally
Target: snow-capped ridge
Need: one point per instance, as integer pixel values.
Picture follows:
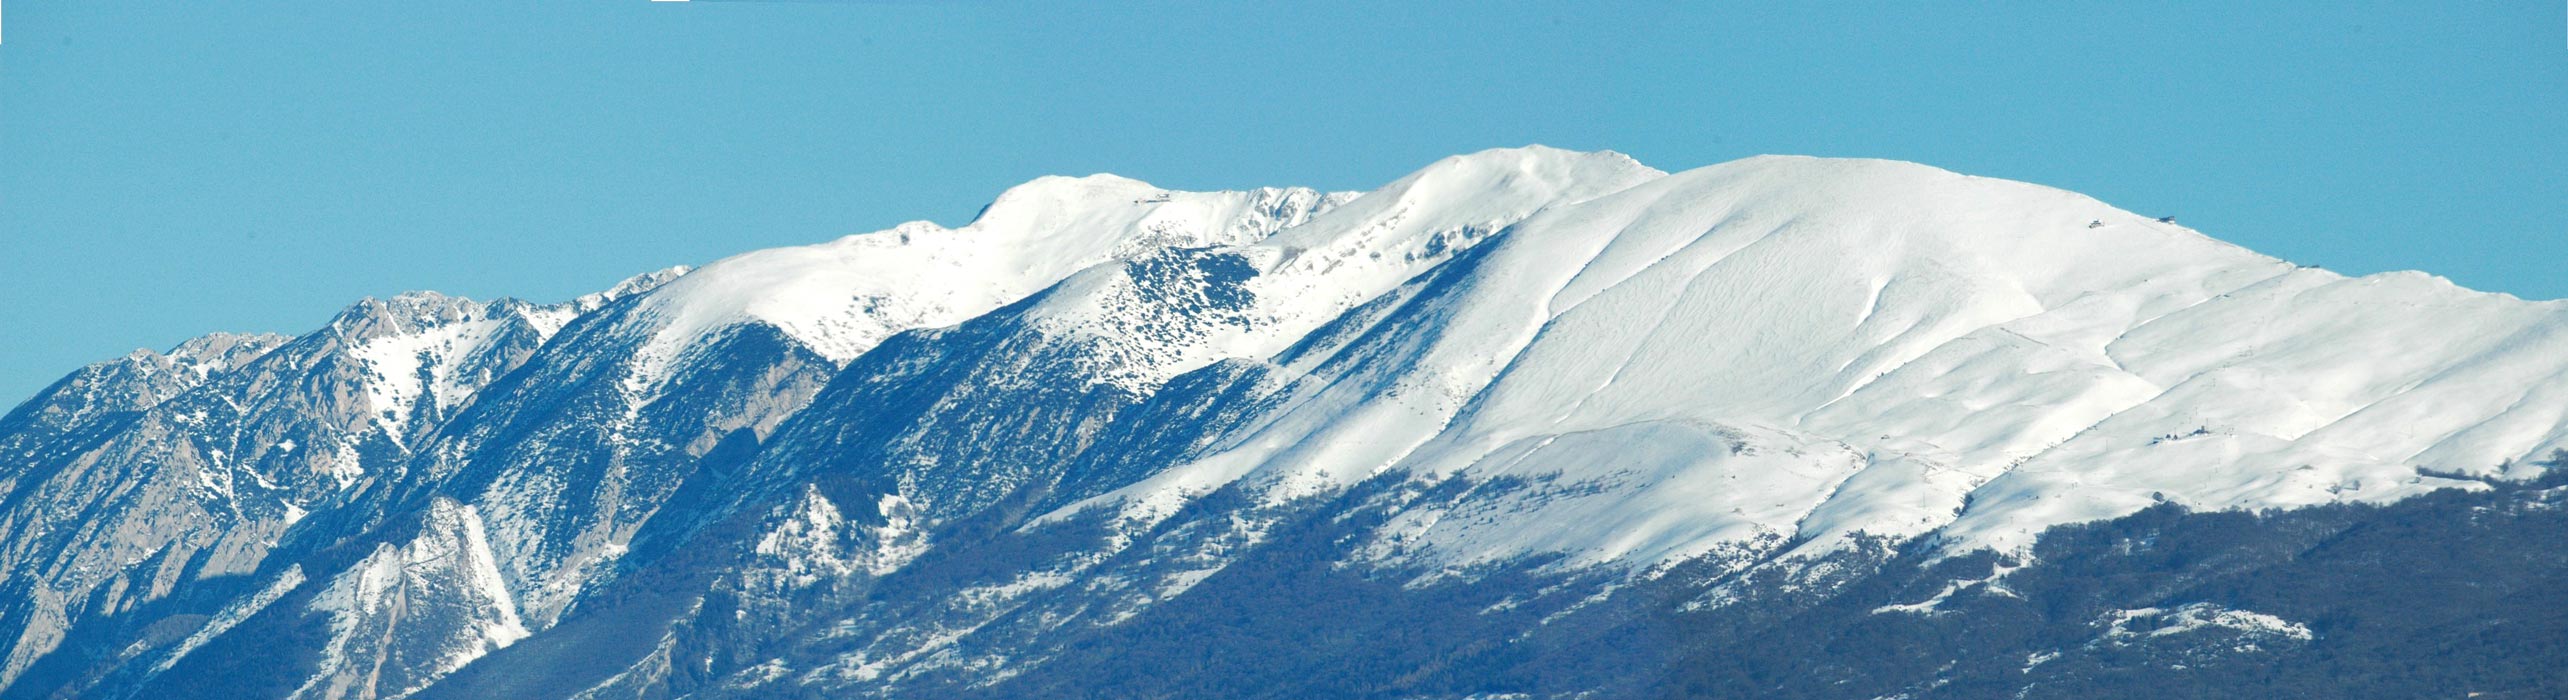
(224, 350)
(1965, 346)
(1309, 274)
(1505, 358)
(407, 312)
(425, 353)
(213, 353)
(1061, 195)
(842, 297)
(1502, 182)
(630, 286)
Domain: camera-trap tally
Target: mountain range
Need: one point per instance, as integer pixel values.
(1524, 423)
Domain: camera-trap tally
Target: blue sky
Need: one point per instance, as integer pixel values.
(173, 168)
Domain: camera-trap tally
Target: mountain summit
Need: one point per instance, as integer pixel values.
(1527, 422)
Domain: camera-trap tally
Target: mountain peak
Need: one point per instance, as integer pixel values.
(1531, 157)
(1063, 195)
(1601, 169)
(1897, 213)
(404, 313)
(217, 352)
(1474, 190)
(629, 286)
(841, 297)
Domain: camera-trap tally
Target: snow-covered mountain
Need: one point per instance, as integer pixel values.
(1525, 421)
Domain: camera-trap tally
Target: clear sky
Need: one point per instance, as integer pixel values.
(171, 168)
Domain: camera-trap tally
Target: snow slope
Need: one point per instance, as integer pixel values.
(843, 297)
(1890, 349)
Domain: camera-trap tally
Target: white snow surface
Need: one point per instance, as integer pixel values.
(817, 543)
(380, 614)
(2198, 616)
(1907, 350)
(414, 368)
(1311, 274)
(841, 298)
(425, 351)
